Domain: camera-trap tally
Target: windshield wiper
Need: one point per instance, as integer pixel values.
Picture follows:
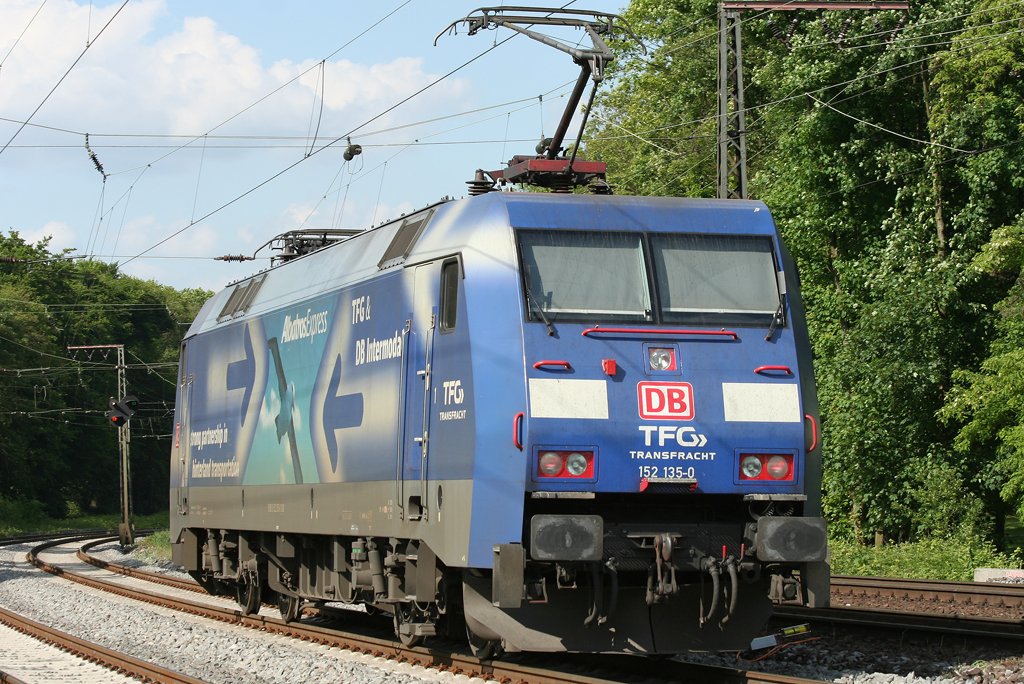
(778, 319)
(531, 302)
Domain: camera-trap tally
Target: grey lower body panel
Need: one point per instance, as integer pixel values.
(669, 627)
(348, 509)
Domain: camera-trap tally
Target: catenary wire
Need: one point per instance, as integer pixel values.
(22, 34)
(314, 152)
(61, 80)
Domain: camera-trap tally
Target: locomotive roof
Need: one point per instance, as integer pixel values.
(478, 224)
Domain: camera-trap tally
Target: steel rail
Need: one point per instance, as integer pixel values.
(993, 593)
(44, 536)
(444, 656)
(147, 575)
(956, 624)
(963, 625)
(880, 618)
(110, 659)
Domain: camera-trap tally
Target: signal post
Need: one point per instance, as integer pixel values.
(119, 414)
(732, 133)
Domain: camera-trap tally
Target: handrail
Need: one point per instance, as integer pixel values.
(517, 428)
(655, 331)
(549, 362)
(761, 370)
(814, 432)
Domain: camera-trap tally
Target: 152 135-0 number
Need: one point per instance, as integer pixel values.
(667, 472)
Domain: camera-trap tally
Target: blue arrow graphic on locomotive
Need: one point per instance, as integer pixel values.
(285, 421)
(340, 411)
(242, 374)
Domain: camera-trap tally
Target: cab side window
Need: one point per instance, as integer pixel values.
(449, 294)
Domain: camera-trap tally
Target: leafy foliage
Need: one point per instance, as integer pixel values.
(944, 559)
(991, 399)
(888, 148)
(57, 451)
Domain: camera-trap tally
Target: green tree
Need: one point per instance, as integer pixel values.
(990, 401)
(56, 448)
(888, 158)
(653, 124)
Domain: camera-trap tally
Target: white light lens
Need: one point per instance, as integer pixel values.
(550, 463)
(661, 359)
(778, 467)
(750, 466)
(576, 464)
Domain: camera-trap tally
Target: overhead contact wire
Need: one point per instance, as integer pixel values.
(66, 73)
(314, 152)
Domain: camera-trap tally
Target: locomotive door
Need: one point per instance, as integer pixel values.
(413, 457)
(181, 432)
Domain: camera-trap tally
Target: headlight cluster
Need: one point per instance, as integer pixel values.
(662, 359)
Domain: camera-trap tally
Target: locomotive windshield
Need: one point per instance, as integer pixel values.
(715, 279)
(569, 274)
(697, 278)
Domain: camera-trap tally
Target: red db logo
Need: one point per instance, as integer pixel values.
(665, 400)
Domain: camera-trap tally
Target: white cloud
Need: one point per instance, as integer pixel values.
(296, 215)
(151, 74)
(61, 235)
(182, 83)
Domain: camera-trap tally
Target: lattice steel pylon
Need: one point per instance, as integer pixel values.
(732, 134)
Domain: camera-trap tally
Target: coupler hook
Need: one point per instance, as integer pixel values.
(731, 567)
(714, 569)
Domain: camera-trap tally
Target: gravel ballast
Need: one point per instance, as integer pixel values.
(223, 653)
(204, 649)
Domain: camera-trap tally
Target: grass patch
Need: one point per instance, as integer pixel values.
(940, 559)
(28, 518)
(155, 547)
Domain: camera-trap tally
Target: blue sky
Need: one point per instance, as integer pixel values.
(190, 105)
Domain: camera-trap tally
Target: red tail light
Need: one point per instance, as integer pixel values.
(766, 467)
(565, 464)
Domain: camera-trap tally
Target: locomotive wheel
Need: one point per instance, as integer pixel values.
(289, 607)
(484, 649)
(404, 614)
(248, 595)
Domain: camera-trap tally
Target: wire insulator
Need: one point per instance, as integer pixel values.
(563, 183)
(480, 185)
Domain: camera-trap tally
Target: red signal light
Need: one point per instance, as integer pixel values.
(121, 411)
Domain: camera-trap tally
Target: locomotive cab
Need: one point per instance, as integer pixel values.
(670, 437)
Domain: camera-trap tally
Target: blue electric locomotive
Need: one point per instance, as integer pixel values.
(581, 422)
(556, 422)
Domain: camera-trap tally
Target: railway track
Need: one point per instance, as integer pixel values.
(371, 636)
(36, 660)
(1009, 596)
(924, 606)
(955, 594)
(35, 652)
